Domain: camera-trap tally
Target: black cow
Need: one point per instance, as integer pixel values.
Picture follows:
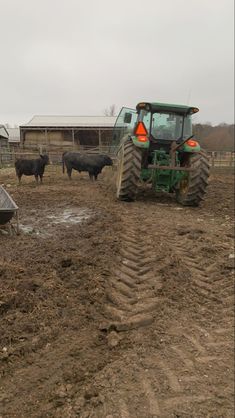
(91, 163)
(31, 167)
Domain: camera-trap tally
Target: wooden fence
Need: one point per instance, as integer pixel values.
(8, 157)
(222, 159)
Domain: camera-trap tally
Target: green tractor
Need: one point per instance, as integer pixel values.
(154, 145)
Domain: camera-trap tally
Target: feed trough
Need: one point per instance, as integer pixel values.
(8, 211)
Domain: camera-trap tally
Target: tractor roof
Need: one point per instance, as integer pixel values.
(167, 107)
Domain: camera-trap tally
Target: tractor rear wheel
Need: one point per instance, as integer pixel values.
(128, 172)
(191, 190)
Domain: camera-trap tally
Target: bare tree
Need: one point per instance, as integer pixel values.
(110, 111)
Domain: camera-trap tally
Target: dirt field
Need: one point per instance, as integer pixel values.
(116, 310)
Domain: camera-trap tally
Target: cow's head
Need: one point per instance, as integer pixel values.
(107, 160)
(45, 158)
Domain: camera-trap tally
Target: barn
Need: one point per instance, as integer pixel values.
(58, 133)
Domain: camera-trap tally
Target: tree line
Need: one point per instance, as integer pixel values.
(215, 138)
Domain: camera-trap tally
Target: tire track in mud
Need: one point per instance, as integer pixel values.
(132, 294)
(213, 288)
(176, 381)
(186, 375)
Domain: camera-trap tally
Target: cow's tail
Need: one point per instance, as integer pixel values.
(63, 162)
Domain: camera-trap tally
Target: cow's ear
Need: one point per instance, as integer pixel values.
(41, 155)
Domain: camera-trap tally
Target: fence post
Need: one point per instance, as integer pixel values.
(213, 159)
(100, 143)
(231, 160)
(73, 137)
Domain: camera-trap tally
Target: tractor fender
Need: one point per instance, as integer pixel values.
(136, 141)
(188, 148)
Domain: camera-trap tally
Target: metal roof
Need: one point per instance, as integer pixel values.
(71, 121)
(3, 132)
(14, 134)
(167, 107)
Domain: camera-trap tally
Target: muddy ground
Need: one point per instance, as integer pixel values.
(116, 310)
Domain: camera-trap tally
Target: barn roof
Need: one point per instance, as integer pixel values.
(14, 135)
(3, 132)
(70, 121)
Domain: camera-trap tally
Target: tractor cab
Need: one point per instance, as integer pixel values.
(163, 122)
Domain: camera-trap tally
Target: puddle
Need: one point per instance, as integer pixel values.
(27, 229)
(68, 216)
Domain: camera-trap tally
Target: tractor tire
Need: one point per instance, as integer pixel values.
(128, 171)
(191, 191)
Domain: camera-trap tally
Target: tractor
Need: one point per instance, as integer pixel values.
(154, 145)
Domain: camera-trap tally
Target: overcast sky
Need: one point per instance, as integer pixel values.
(72, 57)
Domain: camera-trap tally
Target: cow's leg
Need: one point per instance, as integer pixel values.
(69, 172)
(18, 175)
(97, 172)
(91, 176)
(41, 176)
(36, 178)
